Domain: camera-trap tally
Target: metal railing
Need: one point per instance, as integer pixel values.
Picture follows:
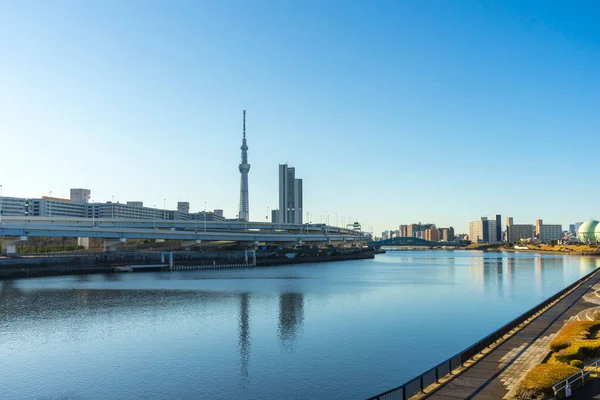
(570, 380)
(433, 375)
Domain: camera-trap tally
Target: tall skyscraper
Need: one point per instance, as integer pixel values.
(244, 212)
(498, 227)
(290, 196)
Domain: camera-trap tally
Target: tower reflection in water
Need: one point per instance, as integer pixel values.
(244, 342)
(291, 318)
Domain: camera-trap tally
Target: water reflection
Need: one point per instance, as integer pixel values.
(492, 275)
(191, 335)
(244, 341)
(291, 318)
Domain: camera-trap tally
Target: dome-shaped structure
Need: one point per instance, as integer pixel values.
(587, 231)
(597, 233)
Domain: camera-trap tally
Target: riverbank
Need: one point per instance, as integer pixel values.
(104, 263)
(492, 367)
(577, 249)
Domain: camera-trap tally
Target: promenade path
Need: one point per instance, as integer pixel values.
(495, 375)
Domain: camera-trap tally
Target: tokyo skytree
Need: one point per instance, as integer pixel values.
(244, 212)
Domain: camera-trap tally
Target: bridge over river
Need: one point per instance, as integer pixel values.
(411, 241)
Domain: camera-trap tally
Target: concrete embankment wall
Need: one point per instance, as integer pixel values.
(88, 263)
(52, 265)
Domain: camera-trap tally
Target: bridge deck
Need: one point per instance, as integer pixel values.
(491, 377)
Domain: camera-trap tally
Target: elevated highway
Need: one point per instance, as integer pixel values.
(14, 229)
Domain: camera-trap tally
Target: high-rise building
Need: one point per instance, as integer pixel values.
(432, 234)
(546, 233)
(483, 231)
(218, 212)
(80, 195)
(412, 229)
(498, 227)
(290, 196)
(447, 234)
(275, 216)
(517, 232)
(244, 167)
(403, 230)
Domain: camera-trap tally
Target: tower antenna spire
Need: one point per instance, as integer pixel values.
(244, 124)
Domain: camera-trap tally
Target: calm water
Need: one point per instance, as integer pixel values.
(329, 331)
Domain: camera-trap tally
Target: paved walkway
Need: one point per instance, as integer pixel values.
(495, 374)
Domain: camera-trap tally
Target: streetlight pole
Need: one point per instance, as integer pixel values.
(204, 217)
(164, 209)
(267, 217)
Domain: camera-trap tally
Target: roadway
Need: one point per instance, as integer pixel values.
(175, 230)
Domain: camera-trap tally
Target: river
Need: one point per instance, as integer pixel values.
(343, 330)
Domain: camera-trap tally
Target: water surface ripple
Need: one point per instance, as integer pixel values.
(342, 330)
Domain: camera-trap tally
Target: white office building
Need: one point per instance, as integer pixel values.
(78, 206)
(13, 206)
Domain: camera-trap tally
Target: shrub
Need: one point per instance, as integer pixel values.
(576, 364)
(540, 379)
(572, 332)
(557, 359)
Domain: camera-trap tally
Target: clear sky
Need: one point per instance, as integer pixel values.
(391, 111)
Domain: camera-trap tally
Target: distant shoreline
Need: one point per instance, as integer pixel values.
(574, 251)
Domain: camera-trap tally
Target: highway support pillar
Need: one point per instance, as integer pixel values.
(111, 244)
(9, 243)
(167, 255)
(83, 242)
(250, 257)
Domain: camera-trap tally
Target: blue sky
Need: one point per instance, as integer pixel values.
(391, 111)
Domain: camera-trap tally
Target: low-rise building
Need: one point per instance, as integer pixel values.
(13, 206)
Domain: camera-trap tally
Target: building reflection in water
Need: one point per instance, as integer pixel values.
(244, 342)
(492, 275)
(588, 264)
(510, 272)
(291, 318)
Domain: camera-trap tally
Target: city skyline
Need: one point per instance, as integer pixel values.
(360, 98)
